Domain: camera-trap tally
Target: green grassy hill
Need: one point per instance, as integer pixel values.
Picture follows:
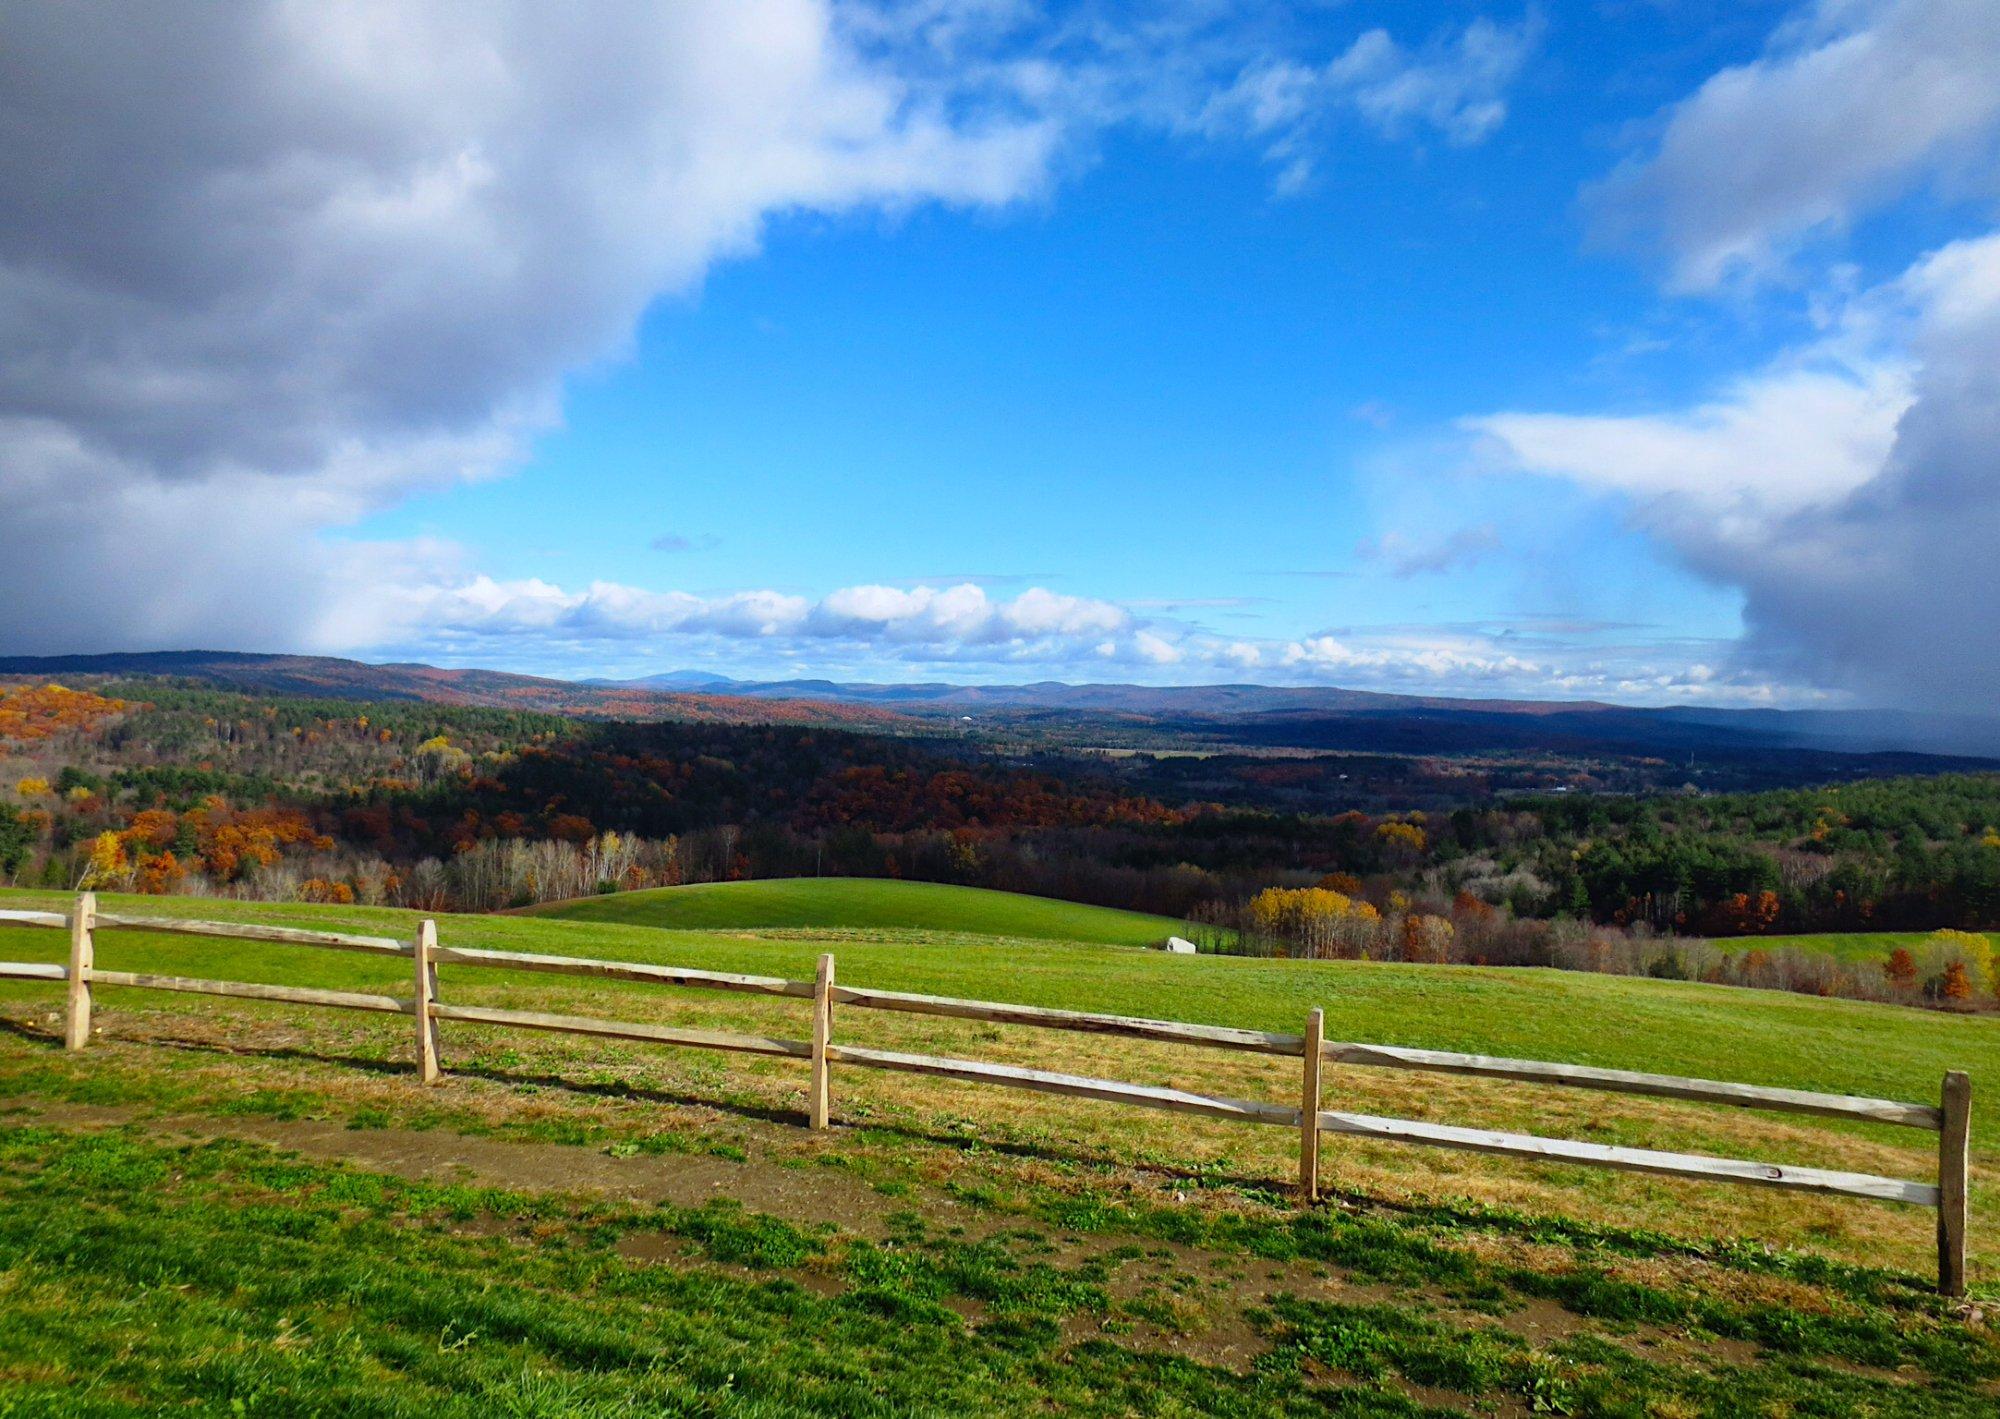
(225, 1200)
(867, 904)
(1675, 1027)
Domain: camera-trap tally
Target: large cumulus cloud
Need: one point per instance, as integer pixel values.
(1892, 590)
(267, 267)
(1854, 101)
(1851, 490)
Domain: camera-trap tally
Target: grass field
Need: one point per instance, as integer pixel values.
(867, 904)
(223, 1201)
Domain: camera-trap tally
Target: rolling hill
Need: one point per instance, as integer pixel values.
(1755, 1036)
(1842, 945)
(854, 903)
(566, 1223)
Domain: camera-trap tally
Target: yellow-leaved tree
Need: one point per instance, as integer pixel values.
(108, 866)
(1972, 951)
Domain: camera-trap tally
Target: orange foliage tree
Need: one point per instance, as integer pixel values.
(30, 712)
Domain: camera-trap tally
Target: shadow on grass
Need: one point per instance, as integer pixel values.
(1206, 1178)
(32, 1033)
(635, 1093)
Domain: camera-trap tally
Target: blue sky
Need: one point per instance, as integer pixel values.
(1561, 351)
(1161, 382)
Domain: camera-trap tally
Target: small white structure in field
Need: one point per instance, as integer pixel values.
(1179, 946)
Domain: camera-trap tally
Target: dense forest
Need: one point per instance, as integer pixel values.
(165, 786)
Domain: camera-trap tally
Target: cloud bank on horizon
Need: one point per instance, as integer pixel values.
(270, 271)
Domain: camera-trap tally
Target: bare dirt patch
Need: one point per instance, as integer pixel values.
(1210, 1294)
(802, 1196)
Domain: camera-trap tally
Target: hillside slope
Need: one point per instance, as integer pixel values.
(1024, 1233)
(1794, 746)
(869, 904)
(1676, 1027)
(329, 677)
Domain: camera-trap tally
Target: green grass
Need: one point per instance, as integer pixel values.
(1760, 1037)
(868, 904)
(871, 905)
(1023, 1254)
(1674, 1027)
(143, 1275)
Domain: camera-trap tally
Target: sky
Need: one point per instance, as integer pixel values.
(1635, 350)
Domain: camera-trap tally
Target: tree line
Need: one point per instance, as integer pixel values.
(166, 786)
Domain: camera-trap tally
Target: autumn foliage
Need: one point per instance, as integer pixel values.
(159, 849)
(32, 712)
(154, 786)
(1312, 921)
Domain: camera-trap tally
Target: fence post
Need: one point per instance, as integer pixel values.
(822, 1037)
(1954, 1144)
(1309, 1108)
(427, 989)
(82, 956)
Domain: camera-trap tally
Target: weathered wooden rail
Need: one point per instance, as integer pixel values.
(1950, 1118)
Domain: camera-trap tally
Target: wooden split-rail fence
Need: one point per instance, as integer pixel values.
(1950, 1118)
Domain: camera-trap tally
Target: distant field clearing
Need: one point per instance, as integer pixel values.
(1842, 945)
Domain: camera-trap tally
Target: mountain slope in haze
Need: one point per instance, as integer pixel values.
(1326, 717)
(328, 677)
(1262, 717)
(1230, 699)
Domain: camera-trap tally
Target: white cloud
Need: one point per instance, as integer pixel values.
(948, 621)
(1853, 101)
(265, 269)
(1857, 518)
(1503, 660)
(961, 614)
(1455, 662)
(1406, 556)
(1784, 438)
(1454, 86)
(886, 632)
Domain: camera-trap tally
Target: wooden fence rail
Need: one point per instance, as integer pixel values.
(1950, 1118)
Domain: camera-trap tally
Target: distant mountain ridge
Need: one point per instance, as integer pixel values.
(1257, 716)
(1269, 712)
(1061, 694)
(329, 677)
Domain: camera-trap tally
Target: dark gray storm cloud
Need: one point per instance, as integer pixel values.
(1894, 590)
(265, 268)
(1850, 490)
